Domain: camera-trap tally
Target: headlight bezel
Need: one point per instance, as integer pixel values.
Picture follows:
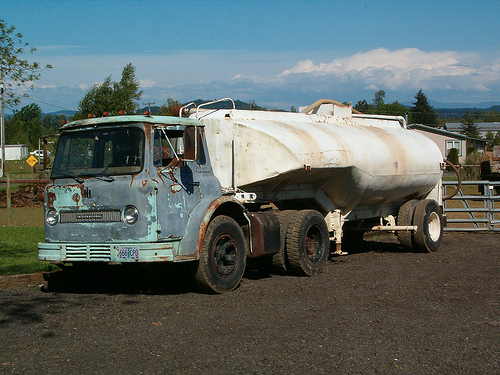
(52, 217)
(130, 215)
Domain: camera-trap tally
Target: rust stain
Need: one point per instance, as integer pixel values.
(206, 220)
(144, 183)
(175, 188)
(51, 197)
(185, 257)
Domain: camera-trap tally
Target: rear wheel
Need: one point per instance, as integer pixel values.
(307, 243)
(429, 221)
(405, 218)
(280, 258)
(223, 256)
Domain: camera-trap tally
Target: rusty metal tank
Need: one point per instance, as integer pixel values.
(329, 157)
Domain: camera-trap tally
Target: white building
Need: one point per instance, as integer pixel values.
(15, 152)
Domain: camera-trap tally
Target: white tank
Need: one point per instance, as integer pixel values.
(336, 159)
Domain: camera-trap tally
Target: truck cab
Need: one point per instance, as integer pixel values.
(124, 189)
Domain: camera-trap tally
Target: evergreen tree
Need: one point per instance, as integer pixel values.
(469, 126)
(422, 112)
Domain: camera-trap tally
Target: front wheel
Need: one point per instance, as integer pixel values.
(223, 256)
(429, 221)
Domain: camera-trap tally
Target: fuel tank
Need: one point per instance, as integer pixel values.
(333, 158)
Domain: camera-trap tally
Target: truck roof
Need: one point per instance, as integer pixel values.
(161, 120)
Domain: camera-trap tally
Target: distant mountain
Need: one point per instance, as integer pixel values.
(63, 112)
(445, 110)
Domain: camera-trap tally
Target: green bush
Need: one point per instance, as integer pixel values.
(453, 156)
(471, 150)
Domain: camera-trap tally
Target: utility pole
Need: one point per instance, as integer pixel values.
(149, 106)
(2, 126)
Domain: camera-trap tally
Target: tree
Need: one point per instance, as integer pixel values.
(25, 127)
(422, 112)
(52, 123)
(379, 107)
(14, 72)
(167, 108)
(378, 99)
(112, 97)
(492, 116)
(469, 126)
(363, 106)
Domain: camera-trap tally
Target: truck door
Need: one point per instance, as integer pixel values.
(176, 162)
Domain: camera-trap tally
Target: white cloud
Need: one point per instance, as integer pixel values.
(401, 71)
(482, 88)
(284, 79)
(146, 83)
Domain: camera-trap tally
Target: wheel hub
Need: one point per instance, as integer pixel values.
(224, 254)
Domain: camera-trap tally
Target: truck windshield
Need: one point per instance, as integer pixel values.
(101, 152)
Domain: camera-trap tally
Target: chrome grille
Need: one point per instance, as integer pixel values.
(90, 216)
(88, 253)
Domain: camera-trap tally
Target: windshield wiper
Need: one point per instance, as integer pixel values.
(100, 176)
(71, 174)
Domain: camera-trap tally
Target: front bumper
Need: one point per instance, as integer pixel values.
(109, 252)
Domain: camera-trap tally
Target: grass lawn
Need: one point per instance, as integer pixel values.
(18, 243)
(19, 251)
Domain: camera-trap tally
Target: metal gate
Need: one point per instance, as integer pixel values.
(474, 207)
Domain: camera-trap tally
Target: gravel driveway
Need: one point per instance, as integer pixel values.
(376, 311)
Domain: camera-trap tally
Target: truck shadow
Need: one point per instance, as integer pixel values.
(381, 242)
(122, 279)
(172, 279)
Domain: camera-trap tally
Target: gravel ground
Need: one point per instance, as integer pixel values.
(375, 311)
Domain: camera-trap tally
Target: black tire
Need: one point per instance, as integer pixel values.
(405, 218)
(223, 256)
(429, 221)
(279, 260)
(307, 243)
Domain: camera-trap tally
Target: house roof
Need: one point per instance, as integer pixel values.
(445, 133)
(482, 126)
(439, 131)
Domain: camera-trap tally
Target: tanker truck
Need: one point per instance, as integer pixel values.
(221, 186)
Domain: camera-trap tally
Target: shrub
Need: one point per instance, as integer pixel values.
(453, 156)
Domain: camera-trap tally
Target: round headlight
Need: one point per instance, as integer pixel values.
(131, 214)
(52, 217)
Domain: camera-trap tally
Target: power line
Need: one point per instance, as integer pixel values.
(51, 105)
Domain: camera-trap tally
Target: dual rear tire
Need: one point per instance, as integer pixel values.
(427, 217)
(304, 243)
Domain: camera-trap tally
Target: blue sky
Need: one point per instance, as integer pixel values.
(277, 53)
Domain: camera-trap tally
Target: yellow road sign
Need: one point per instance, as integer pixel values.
(32, 160)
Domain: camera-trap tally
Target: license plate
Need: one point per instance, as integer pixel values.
(128, 252)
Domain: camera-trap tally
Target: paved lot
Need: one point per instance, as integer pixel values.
(375, 311)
